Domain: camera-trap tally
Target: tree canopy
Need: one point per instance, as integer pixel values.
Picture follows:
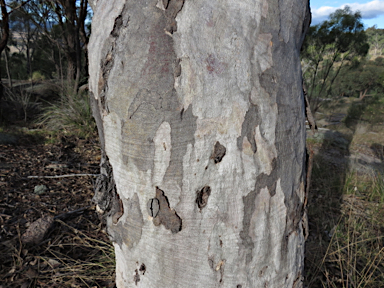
(327, 47)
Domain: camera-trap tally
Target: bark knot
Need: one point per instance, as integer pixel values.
(202, 197)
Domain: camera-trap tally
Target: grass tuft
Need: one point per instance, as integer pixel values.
(71, 114)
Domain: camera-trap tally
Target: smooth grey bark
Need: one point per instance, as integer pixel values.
(200, 112)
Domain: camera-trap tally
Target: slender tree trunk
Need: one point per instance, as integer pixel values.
(7, 68)
(363, 94)
(78, 61)
(200, 113)
(4, 37)
(69, 34)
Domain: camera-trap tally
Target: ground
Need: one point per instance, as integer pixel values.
(346, 197)
(75, 251)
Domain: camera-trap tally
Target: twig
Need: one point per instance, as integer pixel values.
(63, 176)
(66, 215)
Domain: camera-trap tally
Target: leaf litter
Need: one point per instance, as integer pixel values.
(52, 238)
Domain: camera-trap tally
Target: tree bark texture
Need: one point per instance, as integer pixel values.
(200, 112)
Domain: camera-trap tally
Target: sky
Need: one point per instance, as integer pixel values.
(372, 11)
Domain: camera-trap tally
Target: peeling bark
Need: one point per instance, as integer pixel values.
(200, 109)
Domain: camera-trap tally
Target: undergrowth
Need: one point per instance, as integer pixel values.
(369, 110)
(71, 114)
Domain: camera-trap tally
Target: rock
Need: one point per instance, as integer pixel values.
(6, 138)
(37, 230)
(40, 189)
(361, 128)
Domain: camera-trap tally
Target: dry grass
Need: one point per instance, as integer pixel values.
(346, 215)
(69, 258)
(346, 202)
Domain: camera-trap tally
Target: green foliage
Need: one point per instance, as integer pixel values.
(44, 46)
(37, 76)
(17, 65)
(70, 114)
(327, 47)
(376, 41)
(361, 78)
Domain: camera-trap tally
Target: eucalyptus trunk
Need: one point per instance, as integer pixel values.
(200, 112)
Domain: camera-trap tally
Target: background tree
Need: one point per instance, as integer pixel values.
(4, 37)
(70, 17)
(25, 33)
(199, 107)
(54, 31)
(327, 48)
(361, 78)
(375, 40)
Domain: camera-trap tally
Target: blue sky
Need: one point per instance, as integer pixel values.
(371, 10)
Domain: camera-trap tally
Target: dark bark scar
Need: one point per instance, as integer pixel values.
(166, 215)
(142, 268)
(218, 152)
(202, 197)
(136, 278)
(116, 216)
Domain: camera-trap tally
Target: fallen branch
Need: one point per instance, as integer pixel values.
(63, 176)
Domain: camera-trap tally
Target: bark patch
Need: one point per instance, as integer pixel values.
(202, 197)
(105, 189)
(172, 7)
(249, 208)
(109, 56)
(269, 181)
(218, 152)
(119, 210)
(129, 229)
(166, 216)
(251, 120)
(263, 180)
(136, 278)
(214, 65)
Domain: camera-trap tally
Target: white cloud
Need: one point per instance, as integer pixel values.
(368, 10)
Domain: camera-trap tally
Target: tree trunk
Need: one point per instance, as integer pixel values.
(200, 113)
(7, 68)
(4, 37)
(69, 35)
(363, 94)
